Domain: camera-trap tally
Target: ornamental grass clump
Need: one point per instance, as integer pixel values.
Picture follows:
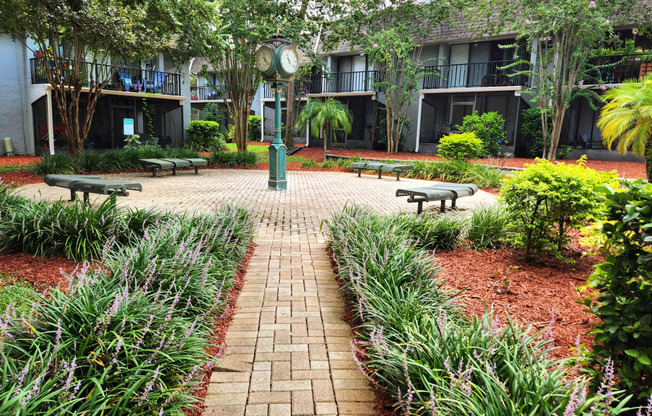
(460, 172)
(424, 352)
(433, 233)
(547, 200)
(129, 336)
(489, 227)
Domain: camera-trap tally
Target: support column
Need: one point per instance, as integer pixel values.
(48, 97)
(262, 121)
(419, 109)
(277, 150)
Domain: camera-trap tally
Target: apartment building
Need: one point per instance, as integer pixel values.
(151, 93)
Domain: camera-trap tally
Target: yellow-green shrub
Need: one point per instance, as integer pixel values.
(460, 147)
(549, 199)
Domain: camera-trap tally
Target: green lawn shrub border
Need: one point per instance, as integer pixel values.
(129, 335)
(421, 349)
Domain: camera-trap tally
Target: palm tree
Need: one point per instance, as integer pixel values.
(627, 119)
(322, 114)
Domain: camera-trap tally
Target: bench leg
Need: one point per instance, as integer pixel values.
(196, 170)
(73, 196)
(174, 171)
(419, 207)
(153, 172)
(443, 206)
(453, 203)
(86, 197)
(398, 175)
(359, 172)
(380, 173)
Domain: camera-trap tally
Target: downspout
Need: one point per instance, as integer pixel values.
(50, 121)
(262, 121)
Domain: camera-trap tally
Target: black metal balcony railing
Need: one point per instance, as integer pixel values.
(615, 69)
(206, 93)
(474, 74)
(333, 83)
(119, 78)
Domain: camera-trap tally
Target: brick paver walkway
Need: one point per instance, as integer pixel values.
(287, 350)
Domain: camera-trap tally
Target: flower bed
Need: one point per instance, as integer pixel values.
(129, 336)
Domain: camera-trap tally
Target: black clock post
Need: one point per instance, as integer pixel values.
(277, 59)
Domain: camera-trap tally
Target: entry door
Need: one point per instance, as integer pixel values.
(359, 76)
(119, 114)
(457, 75)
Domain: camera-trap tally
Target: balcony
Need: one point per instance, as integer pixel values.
(335, 83)
(475, 74)
(120, 78)
(206, 93)
(614, 69)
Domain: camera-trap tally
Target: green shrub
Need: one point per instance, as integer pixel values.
(328, 164)
(204, 135)
(460, 147)
(547, 200)
(489, 227)
(488, 127)
(20, 295)
(308, 163)
(231, 159)
(213, 112)
(532, 131)
(624, 286)
(58, 163)
(433, 233)
(255, 123)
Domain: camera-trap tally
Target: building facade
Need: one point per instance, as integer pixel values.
(153, 93)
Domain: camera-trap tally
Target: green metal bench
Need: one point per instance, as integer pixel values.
(381, 167)
(440, 192)
(173, 163)
(91, 184)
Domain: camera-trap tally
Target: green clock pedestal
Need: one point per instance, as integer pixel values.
(277, 150)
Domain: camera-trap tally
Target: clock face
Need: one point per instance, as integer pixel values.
(289, 60)
(264, 58)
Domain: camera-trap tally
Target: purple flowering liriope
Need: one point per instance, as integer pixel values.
(131, 332)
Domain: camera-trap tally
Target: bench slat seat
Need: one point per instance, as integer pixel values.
(63, 181)
(91, 184)
(173, 163)
(439, 192)
(381, 167)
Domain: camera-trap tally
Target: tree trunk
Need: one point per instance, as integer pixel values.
(389, 126)
(648, 158)
(557, 122)
(290, 115)
(321, 132)
(241, 124)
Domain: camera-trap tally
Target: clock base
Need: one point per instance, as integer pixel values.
(277, 170)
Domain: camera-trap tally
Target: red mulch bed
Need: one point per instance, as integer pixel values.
(19, 160)
(42, 272)
(529, 291)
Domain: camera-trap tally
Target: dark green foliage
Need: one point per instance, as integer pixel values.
(78, 231)
(204, 135)
(531, 130)
(489, 227)
(624, 285)
(213, 112)
(59, 163)
(231, 159)
(433, 233)
(488, 127)
(461, 172)
(89, 160)
(460, 147)
(182, 152)
(255, 123)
